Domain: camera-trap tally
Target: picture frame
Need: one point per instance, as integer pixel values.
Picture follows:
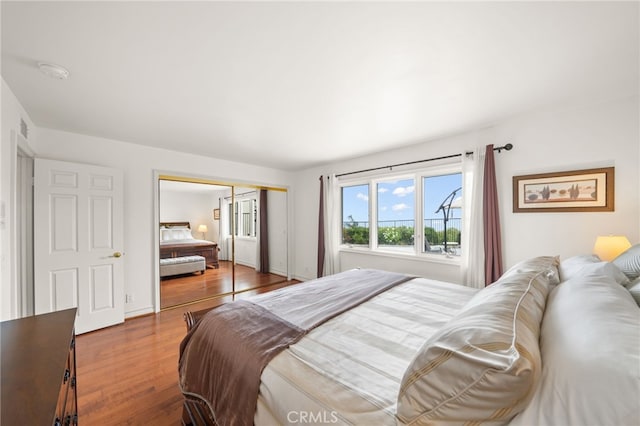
(216, 214)
(588, 190)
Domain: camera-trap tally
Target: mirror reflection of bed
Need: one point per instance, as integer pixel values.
(210, 242)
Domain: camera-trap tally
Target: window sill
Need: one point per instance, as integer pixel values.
(422, 257)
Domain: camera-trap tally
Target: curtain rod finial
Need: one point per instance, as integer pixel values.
(506, 147)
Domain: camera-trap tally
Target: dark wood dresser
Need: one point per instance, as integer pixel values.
(39, 370)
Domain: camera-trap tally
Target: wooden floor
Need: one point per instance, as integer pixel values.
(180, 289)
(128, 374)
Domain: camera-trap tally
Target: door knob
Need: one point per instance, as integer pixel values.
(117, 254)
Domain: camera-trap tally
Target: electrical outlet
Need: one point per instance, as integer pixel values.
(128, 298)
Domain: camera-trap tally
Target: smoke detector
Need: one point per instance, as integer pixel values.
(53, 70)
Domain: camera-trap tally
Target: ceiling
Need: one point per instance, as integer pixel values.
(291, 85)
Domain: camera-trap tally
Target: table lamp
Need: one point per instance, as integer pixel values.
(609, 247)
(203, 229)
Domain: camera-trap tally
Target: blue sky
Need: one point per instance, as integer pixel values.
(396, 199)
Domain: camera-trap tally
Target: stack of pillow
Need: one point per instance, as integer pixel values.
(590, 346)
(624, 269)
(550, 343)
(629, 264)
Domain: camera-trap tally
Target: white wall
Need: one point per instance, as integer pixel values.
(277, 222)
(139, 164)
(570, 138)
(597, 135)
(12, 112)
(578, 138)
(193, 207)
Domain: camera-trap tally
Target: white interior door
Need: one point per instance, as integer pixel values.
(78, 234)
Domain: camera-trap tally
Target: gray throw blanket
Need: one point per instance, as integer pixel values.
(222, 357)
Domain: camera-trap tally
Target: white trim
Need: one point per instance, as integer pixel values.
(420, 257)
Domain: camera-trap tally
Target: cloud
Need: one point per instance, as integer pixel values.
(400, 207)
(362, 196)
(382, 190)
(403, 191)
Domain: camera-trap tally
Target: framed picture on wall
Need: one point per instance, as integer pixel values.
(216, 214)
(589, 190)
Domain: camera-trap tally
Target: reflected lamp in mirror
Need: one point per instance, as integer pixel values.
(609, 247)
(203, 229)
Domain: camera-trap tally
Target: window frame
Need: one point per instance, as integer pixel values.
(418, 176)
(237, 225)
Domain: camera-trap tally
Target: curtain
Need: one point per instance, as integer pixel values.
(332, 229)
(472, 259)
(328, 226)
(321, 247)
(493, 239)
(262, 234)
(223, 227)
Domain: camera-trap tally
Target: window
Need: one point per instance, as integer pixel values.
(355, 215)
(245, 217)
(416, 213)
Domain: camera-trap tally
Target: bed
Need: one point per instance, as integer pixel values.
(552, 342)
(177, 241)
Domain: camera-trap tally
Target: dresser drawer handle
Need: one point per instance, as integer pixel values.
(67, 374)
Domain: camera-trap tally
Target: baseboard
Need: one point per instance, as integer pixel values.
(139, 312)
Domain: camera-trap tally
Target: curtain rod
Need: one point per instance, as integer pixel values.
(506, 147)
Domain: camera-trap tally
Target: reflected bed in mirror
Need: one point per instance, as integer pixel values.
(176, 241)
(236, 222)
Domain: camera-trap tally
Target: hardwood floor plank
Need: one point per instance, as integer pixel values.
(128, 373)
(180, 289)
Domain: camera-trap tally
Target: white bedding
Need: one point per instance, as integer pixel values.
(590, 345)
(349, 370)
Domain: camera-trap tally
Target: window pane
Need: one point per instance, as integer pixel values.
(442, 212)
(245, 209)
(235, 220)
(355, 215)
(396, 214)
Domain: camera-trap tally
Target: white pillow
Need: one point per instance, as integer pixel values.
(180, 234)
(547, 263)
(634, 289)
(629, 262)
(590, 346)
(483, 365)
(590, 264)
(165, 235)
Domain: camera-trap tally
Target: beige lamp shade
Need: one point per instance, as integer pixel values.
(202, 228)
(609, 247)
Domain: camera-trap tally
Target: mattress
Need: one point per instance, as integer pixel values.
(349, 370)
